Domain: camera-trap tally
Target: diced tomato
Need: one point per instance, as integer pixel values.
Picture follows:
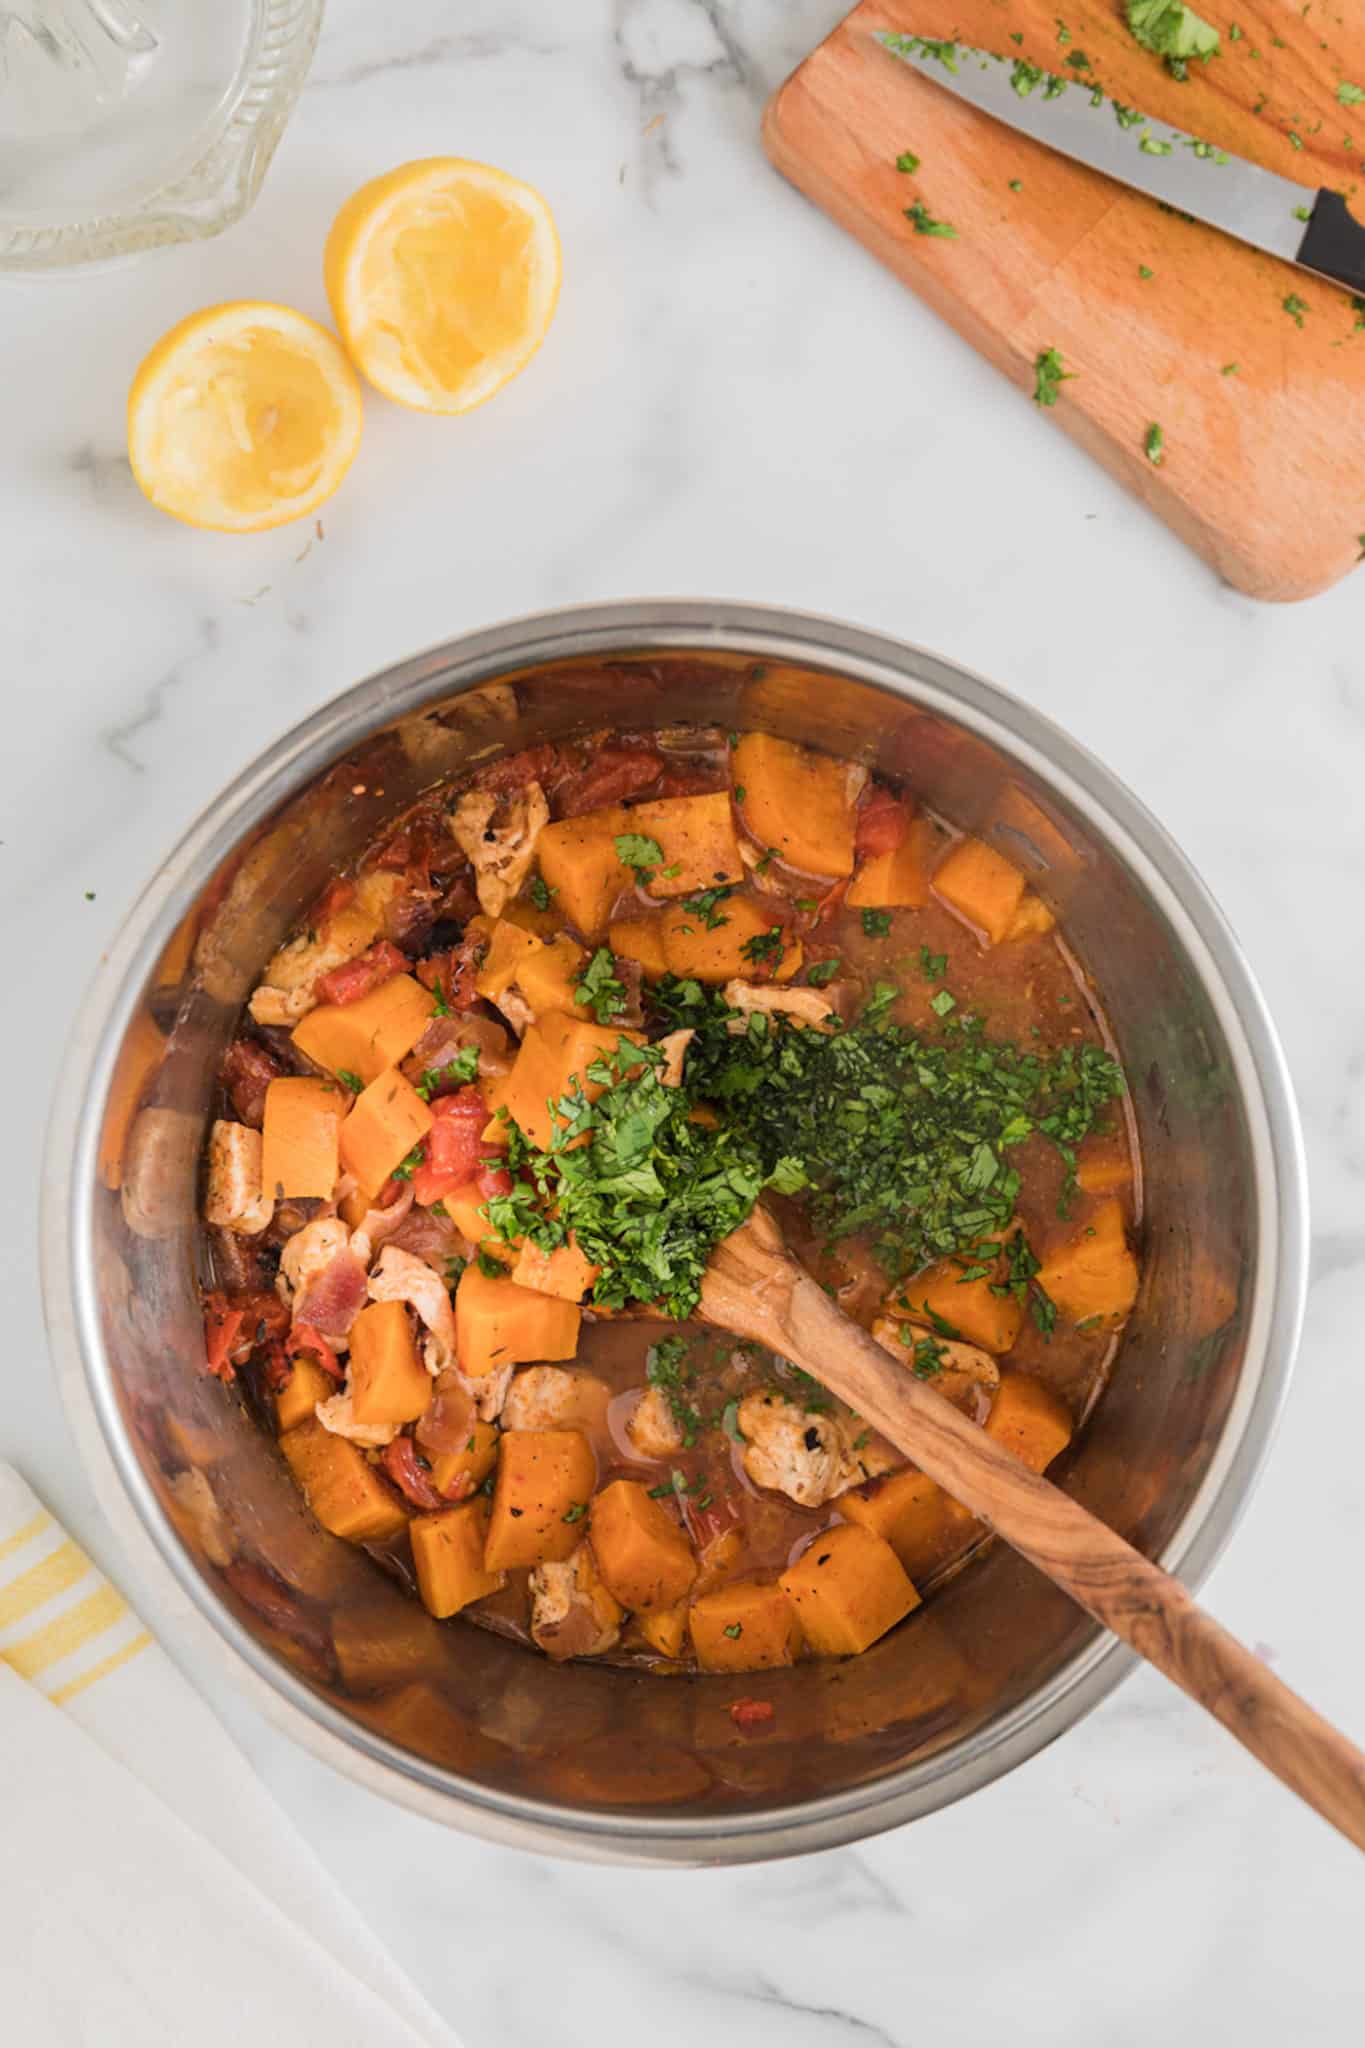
(494, 1180)
(409, 1474)
(248, 1070)
(357, 978)
(453, 1147)
(303, 1337)
(221, 1325)
(279, 1367)
(613, 774)
(751, 1715)
(882, 824)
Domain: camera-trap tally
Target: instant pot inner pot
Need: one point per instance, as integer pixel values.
(485, 1709)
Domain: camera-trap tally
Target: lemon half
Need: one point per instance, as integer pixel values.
(443, 277)
(242, 417)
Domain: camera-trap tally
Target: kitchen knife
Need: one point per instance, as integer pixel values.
(1314, 229)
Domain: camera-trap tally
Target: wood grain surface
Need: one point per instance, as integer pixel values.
(1262, 471)
(754, 1289)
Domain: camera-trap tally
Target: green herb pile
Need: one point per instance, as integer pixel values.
(880, 1131)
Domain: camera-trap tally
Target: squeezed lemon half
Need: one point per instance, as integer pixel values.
(244, 416)
(443, 277)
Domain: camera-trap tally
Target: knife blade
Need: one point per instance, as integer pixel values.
(1312, 228)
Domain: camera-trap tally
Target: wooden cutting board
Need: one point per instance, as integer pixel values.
(1264, 467)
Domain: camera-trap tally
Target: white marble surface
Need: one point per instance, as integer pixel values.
(733, 400)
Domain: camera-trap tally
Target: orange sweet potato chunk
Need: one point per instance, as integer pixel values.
(898, 880)
(564, 1272)
(341, 1486)
(991, 1320)
(448, 1552)
(367, 1036)
(545, 1481)
(300, 1139)
(577, 858)
(1094, 1273)
(548, 979)
(982, 886)
(664, 1629)
(498, 1323)
(461, 1471)
(640, 939)
(511, 949)
(695, 952)
(696, 835)
(924, 1525)
(745, 1626)
(848, 1588)
(1028, 1419)
(389, 1382)
(801, 803)
(386, 1121)
(296, 1401)
(644, 1558)
(555, 1050)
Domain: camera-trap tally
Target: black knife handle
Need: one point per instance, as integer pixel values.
(1334, 243)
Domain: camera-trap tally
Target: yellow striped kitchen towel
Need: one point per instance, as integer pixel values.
(145, 1871)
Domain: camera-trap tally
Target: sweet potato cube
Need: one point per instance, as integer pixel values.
(462, 1207)
(386, 1121)
(1032, 916)
(664, 1629)
(545, 1481)
(296, 1401)
(644, 1557)
(848, 1588)
(639, 939)
(555, 1050)
(578, 860)
(548, 979)
(498, 1323)
(461, 1472)
(991, 1320)
(693, 952)
(343, 1489)
(898, 880)
(367, 1036)
(1094, 1274)
(300, 1140)
(797, 801)
(924, 1525)
(389, 1382)
(982, 886)
(696, 835)
(1103, 1166)
(448, 1551)
(511, 948)
(745, 1626)
(564, 1272)
(1028, 1419)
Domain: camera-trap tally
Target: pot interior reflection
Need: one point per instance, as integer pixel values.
(508, 1725)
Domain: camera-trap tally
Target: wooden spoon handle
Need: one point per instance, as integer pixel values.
(756, 1290)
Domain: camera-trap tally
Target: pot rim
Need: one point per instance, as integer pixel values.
(768, 633)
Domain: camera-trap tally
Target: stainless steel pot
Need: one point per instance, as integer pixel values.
(472, 1730)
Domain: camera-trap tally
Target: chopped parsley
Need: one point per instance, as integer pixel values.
(407, 1167)
(933, 966)
(907, 161)
(705, 904)
(1295, 307)
(729, 1422)
(458, 1073)
(644, 855)
(765, 949)
(350, 1080)
(540, 894)
(943, 52)
(1350, 95)
(667, 1367)
(821, 972)
(1144, 271)
(1048, 376)
(923, 222)
(1016, 184)
(734, 1631)
(599, 988)
(942, 1003)
(876, 924)
(1154, 445)
(575, 1511)
(491, 1268)
(1172, 30)
(1151, 146)
(1230, 370)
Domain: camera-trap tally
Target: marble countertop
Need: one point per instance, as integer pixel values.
(734, 400)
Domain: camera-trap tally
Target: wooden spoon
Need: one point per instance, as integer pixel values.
(754, 1288)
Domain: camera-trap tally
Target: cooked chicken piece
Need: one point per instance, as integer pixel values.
(337, 1415)
(795, 1452)
(674, 1050)
(308, 1254)
(401, 1276)
(572, 1613)
(515, 1008)
(287, 988)
(554, 1397)
(813, 1006)
(233, 1198)
(653, 1428)
(967, 1377)
(488, 1391)
(501, 855)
